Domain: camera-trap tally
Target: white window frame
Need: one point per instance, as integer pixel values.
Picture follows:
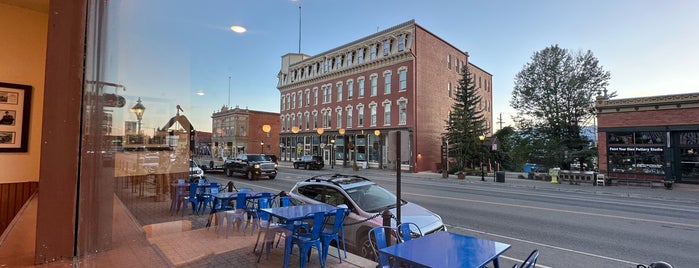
(401, 43)
(373, 52)
(315, 95)
(339, 91)
(360, 56)
(350, 89)
(360, 115)
(372, 114)
(374, 78)
(387, 82)
(386, 112)
(360, 81)
(386, 47)
(349, 116)
(403, 79)
(338, 112)
(402, 111)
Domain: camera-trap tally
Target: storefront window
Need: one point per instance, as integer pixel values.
(689, 154)
(640, 152)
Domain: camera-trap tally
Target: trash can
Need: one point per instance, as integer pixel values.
(500, 176)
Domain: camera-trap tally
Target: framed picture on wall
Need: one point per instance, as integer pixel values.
(15, 104)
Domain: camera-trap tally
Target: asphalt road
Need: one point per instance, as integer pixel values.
(571, 226)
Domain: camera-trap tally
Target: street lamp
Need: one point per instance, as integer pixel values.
(332, 153)
(266, 129)
(344, 147)
(138, 109)
(320, 133)
(262, 147)
(482, 138)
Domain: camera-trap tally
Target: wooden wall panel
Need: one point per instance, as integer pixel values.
(12, 198)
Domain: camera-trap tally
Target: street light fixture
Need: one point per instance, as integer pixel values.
(262, 147)
(138, 109)
(320, 134)
(482, 138)
(344, 147)
(332, 153)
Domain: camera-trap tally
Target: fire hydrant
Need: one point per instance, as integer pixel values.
(553, 172)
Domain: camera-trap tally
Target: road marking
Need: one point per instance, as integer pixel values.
(563, 211)
(543, 245)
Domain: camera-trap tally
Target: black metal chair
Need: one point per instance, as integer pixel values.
(529, 262)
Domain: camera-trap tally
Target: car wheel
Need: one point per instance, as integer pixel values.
(271, 177)
(251, 176)
(366, 250)
(296, 166)
(229, 173)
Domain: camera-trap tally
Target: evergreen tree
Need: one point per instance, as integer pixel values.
(466, 122)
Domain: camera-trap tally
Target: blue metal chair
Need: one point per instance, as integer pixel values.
(377, 239)
(328, 235)
(529, 262)
(192, 198)
(305, 242)
(408, 230)
(208, 197)
(268, 227)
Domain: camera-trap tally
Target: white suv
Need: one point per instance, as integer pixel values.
(366, 200)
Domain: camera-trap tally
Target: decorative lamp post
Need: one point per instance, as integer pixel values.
(482, 138)
(295, 130)
(344, 147)
(332, 153)
(266, 129)
(320, 133)
(138, 109)
(262, 147)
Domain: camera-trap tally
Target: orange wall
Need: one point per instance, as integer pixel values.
(22, 61)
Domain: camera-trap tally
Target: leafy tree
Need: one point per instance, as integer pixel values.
(466, 122)
(554, 97)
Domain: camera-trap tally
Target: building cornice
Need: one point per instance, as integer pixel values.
(662, 102)
(373, 65)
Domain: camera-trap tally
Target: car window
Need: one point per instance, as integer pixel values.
(257, 157)
(334, 197)
(312, 192)
(372, 198)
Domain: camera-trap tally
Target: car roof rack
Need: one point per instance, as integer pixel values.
(338, 179)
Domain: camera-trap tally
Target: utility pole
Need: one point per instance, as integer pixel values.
(500, 120)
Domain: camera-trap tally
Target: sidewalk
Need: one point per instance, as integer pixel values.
(680, 191)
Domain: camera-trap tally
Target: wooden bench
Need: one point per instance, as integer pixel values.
(627, 181)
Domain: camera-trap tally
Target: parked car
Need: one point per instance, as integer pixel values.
(309, 161)
(195, 172)
(364, 199)
(251, 165)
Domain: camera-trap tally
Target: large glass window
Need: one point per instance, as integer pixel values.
(350, 89)
(640, 152)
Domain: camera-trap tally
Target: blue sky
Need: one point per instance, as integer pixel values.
(168, 50)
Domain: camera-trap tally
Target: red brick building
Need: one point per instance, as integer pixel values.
(349, 103)
(651, 138)
(237, 130)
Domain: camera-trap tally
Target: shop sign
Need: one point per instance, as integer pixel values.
(635, 149)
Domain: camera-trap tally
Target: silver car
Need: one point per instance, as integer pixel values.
(366, 200)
